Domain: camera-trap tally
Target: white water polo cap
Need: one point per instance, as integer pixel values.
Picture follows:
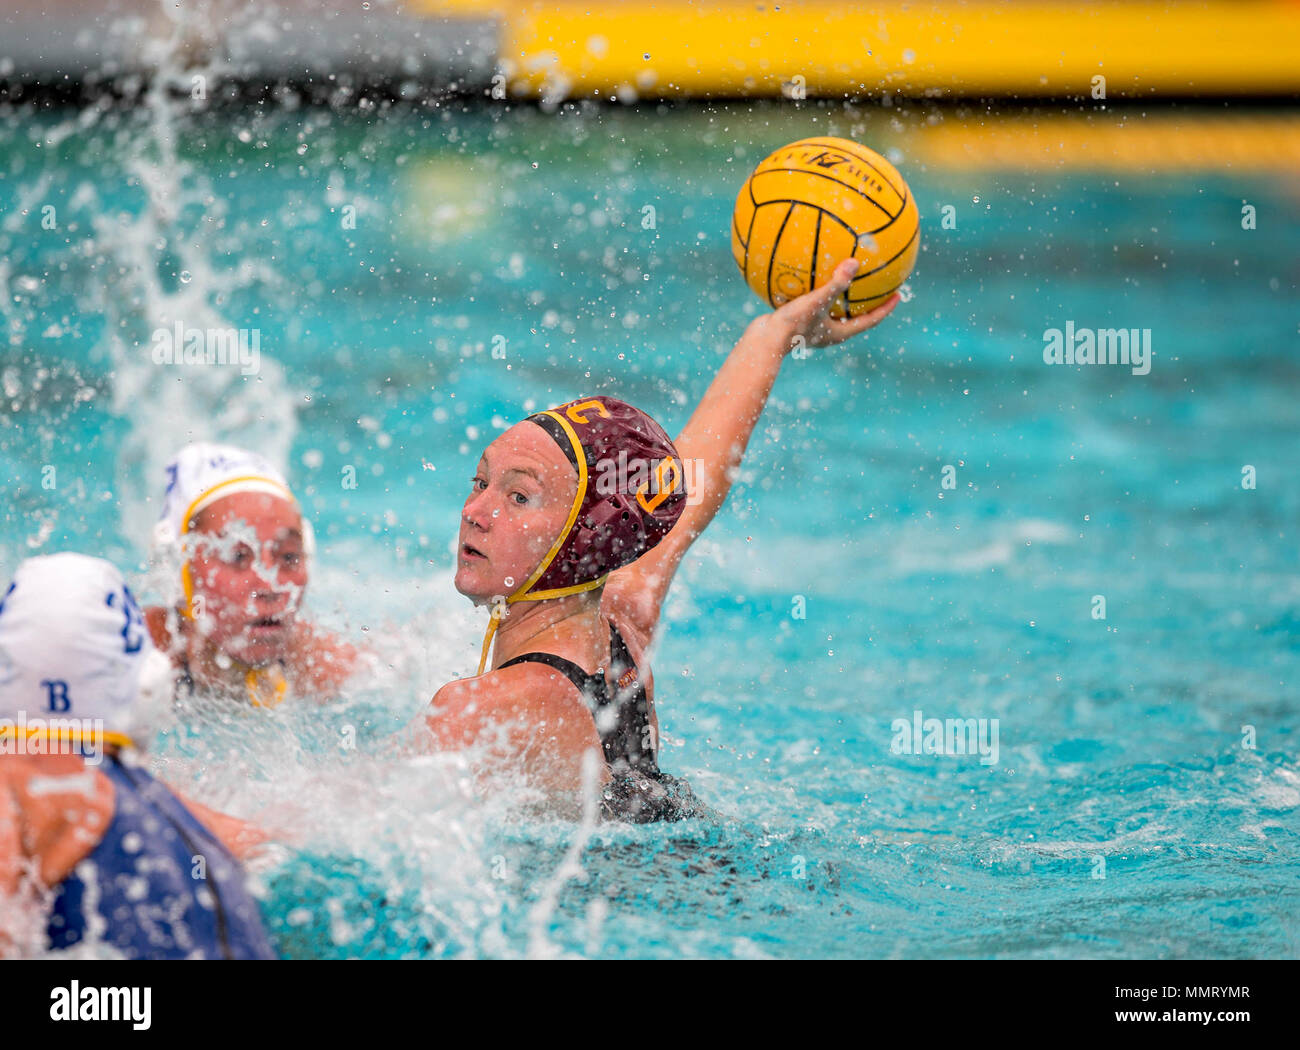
(197, 476)
(74, 649)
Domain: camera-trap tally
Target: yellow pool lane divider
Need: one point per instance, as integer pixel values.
(1120, 143)
(674, 48)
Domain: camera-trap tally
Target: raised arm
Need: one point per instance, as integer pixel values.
(718, 433)
(322, 661)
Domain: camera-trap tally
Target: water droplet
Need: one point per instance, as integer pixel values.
(510, 581)
(975, 199)
(186, 277)
(496, 513)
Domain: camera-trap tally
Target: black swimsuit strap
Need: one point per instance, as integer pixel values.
(586, 683)
(184, 680)
(628, 743)
(620, 657)
(632, 737)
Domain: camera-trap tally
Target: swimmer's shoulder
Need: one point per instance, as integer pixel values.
(526, 694)
(527, 720)
(504, 691)
(58, 806)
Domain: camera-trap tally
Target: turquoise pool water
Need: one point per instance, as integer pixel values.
(1123, 816)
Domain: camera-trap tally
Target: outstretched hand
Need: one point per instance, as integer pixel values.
(809, 316)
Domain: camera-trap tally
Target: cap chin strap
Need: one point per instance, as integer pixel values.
(69, 733)
(501, 604)
(501, 609)
(256, 680)
(266, 687)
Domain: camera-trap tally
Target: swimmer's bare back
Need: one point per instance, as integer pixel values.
(53, 808)
(54, 811)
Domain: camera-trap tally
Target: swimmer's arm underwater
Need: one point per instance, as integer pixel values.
(718, 432)
(322, 662)
(318, 662)
(238, 836)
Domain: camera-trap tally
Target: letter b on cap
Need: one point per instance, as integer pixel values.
(56, 691)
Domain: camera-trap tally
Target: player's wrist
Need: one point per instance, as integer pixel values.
(772, 333)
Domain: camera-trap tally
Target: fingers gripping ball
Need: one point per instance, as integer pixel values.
(813, 204)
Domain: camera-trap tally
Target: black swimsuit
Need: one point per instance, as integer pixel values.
(638, 792)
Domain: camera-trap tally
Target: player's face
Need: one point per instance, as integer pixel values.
(519, 501)
(249, 572)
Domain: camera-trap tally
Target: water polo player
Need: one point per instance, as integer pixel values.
(574, 528)
(91, 846)
(231, 553)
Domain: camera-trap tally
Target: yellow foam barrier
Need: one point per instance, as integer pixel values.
(646, 49)
(1130, 144)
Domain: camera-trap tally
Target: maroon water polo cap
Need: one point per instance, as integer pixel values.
(631, 491)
